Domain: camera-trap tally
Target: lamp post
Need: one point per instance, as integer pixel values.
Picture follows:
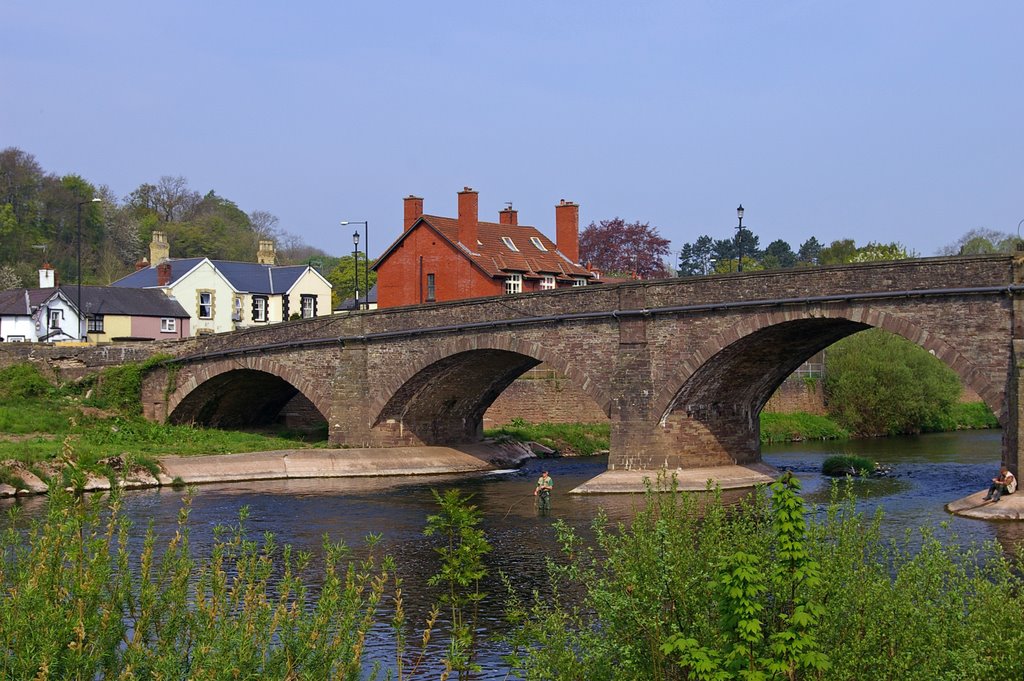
(739, 239)
(355, 258)
(78, 300)
(366, 247)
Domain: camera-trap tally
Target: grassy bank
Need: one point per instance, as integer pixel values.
(567, 439)
(44, 426)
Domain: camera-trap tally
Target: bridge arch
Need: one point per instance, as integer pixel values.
(239, 391)
(759, 352)
(442, 396)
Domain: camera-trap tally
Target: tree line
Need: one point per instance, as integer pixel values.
(622, 249)
(40, 214)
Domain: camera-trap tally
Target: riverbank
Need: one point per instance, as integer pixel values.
(283, 465)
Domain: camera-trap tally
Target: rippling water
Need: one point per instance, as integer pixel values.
(927, 472)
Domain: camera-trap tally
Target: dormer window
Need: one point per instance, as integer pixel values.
(514, 284)
(579, 281)
(536, 242)
(508, 242)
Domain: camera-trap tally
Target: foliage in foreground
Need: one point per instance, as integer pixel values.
(753, 593)
(82, 599)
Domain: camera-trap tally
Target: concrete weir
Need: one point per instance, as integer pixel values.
(339, 463)
(686, 480)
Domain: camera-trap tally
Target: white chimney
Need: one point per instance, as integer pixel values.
(46, 278)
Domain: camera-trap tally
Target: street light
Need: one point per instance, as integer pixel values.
(366, 248)
(355, 257)
(739, 238)
(78, 301)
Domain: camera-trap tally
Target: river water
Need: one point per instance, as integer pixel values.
(926, 472)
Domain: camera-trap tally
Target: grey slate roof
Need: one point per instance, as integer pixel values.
(22, 301)
(101, 300)
(248, 277)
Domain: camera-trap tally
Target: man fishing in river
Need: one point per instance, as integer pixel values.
(543, 491)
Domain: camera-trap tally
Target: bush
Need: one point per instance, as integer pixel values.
(847, 464)
(880, 384)
(23, 381)
(581, 439)
(753, 592)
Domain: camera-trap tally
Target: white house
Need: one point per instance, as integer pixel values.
(221, 295)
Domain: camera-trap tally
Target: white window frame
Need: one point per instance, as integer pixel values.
(168, 325)
(537, 242)
(547, 283)
(208, 295)
(260, 308)
(308, 304)
(513, 284)
(507, 240)
(236, 315)
(579, 281)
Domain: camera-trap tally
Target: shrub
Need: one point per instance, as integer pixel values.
(847, 464)
(23, 381)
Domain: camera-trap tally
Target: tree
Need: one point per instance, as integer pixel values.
(696, 258)
(778, 254)
(877, 383)
(618, 248)
(839, 252)
(981, 240)
(876, 251)
(810, 252)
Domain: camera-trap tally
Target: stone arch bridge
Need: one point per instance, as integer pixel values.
(682, 367)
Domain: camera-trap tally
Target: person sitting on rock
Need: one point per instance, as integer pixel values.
(1005, 483)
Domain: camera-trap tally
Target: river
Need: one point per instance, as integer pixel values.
(926, 472)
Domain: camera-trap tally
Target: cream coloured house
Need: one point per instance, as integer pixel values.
(221, 295)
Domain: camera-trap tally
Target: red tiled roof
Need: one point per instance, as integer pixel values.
(493, 256)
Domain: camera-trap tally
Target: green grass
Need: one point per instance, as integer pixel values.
(799, 426)
(847, 464)
(568, 439)
(40, 423)
(973, 416)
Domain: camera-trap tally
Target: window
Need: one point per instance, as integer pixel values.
(15, 339)
(55, 316)
(536, 242)
(514, 284)
(547, 283)
(94, 323)
(308, 306)
(236, 313)
(168, 325)
(206, 304)
(259, 308)
(579, 281)
(509, 243)
(431, 288)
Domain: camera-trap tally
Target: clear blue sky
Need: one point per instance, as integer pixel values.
(864, 119)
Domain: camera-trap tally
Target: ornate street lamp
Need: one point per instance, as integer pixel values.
(78, 301)
(739, 238)
(366, 247)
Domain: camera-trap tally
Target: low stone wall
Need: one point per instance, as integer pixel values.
(543, 396)
(72, 362)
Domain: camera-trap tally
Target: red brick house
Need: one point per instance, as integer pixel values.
(439, 258)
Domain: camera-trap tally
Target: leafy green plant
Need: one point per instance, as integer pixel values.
(462, 569)
(23, 381)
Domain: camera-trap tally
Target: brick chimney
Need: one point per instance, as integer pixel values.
(567, 229)
(469, 218)
(508, 216)
(159, 248)
(141, 264)
(46, 276)
(266, 255)
(413, 210)
(163, 274)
